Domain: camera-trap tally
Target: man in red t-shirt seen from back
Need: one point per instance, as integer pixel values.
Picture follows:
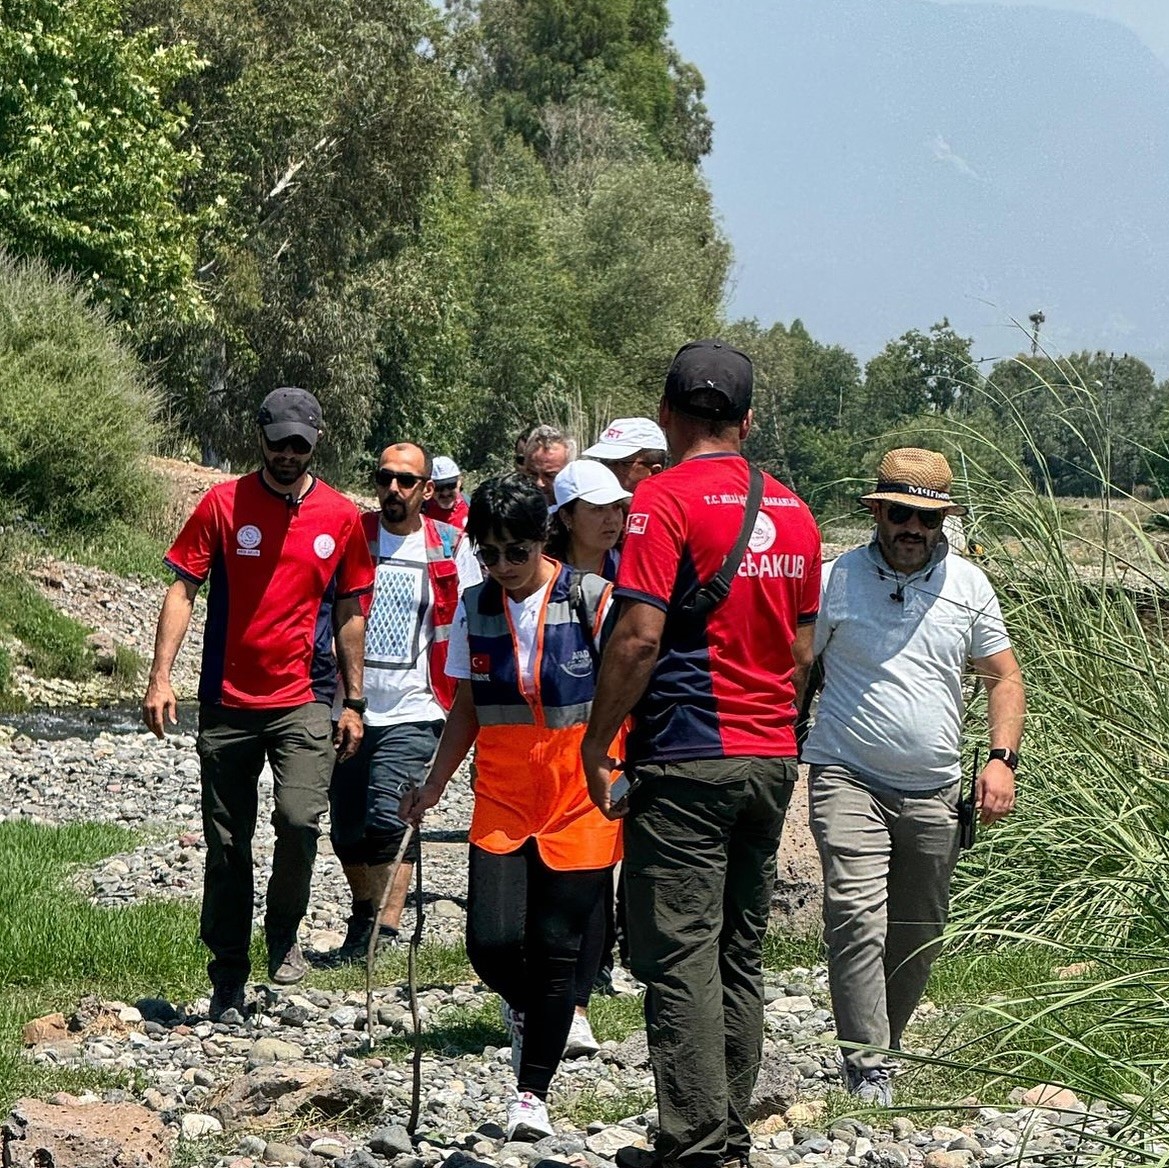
(712, 752)
(288, 565)
(447, 504)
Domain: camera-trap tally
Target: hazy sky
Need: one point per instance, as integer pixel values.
(709, 34)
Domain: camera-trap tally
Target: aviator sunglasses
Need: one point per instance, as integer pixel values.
(514, 553)
(900, 513)
(406, 481)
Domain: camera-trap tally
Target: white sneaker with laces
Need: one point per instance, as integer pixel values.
(580, 1039)
(527, 1118)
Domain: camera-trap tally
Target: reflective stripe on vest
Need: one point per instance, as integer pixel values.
(564, 673)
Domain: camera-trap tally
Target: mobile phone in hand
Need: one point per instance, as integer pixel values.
(619, 788)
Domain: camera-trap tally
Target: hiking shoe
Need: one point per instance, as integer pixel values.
(634, 1157)
(286, 964)
(527, 1118)
(225, 996)
(580, 1039)
(872, 1088)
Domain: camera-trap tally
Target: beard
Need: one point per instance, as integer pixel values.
(286, 471)
(394, 510)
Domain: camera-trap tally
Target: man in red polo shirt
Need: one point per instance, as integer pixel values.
(712, 751)
(288, 564)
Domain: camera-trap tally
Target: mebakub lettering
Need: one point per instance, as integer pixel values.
(772, 565)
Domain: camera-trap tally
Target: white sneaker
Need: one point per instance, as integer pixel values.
(580, 1039)
(527, 1118)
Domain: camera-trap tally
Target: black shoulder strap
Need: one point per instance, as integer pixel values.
(576, 601)
(710, 595)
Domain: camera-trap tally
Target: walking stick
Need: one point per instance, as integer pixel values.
(412, 970)
(374, 936)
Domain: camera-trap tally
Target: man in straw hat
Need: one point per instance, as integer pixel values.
(899, 621)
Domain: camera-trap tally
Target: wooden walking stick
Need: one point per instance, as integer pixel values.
(374, 936)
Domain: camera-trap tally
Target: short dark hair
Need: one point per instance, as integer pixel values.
(652, 457)
(427, 459)
(511, 503)
(706, 427)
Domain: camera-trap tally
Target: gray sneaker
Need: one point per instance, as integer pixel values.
(286, 964)
(872, 1088)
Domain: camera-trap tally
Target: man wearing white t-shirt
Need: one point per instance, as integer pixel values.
(900, 620)
(422, 567)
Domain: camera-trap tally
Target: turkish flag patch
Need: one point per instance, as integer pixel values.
(480, 663)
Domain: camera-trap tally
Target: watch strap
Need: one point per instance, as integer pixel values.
(1004, 755)
(359, 705)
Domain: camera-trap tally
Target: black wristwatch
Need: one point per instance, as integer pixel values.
(357, 705)
(1007, 756)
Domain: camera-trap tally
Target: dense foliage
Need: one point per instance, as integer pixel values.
(449, 224)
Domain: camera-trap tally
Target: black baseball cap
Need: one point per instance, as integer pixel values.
(290, 412)
(710, 368)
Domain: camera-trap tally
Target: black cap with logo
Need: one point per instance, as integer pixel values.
(289, 412)
(702, 372)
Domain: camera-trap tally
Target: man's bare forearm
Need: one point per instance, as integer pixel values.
(626, 667)
(350, 639)
(173, 621)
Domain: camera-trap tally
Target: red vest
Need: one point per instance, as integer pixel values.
(441, 541)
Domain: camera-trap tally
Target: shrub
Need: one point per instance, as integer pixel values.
(78, 408)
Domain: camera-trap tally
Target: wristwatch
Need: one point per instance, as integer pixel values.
(358, 705)
(1007, 756)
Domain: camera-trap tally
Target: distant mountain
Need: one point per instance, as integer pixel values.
(880, 163)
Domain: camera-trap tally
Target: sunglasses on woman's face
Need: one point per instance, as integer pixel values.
(514, 553)
(406, 481)
(898, 513)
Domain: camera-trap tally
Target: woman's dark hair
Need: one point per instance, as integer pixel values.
(511, 503)
(559, 537)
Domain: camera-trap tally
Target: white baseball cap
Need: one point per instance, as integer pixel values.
(444, 470)
(626, 436)
(589, 481)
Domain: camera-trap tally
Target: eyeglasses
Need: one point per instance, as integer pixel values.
(407, 481)
(899, 513)
(446, 488)
(514, 553)
(293, 442)
(624, 462)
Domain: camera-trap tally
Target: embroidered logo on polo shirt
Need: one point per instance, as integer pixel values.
(248, 537)
(324, 546)
(637, 522)
(763, 533)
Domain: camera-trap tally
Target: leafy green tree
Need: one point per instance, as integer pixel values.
(324, 129)
(92, 156)
(1087, 419)
(537, 53)
(919, 373)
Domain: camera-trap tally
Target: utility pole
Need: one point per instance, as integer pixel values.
(1036, 319)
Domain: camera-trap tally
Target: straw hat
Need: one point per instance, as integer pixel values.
(917, 478)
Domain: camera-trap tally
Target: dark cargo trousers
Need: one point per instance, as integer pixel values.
(700, 844)
(232, 747)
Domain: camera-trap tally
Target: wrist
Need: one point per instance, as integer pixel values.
(1006, 756)
(356, 703)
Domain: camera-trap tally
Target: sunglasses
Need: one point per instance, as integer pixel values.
(407, 481)
(900, 513)
(625, 462)
(514, 553)
(293, 442)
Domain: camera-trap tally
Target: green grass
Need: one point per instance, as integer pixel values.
(55, 643)
(122, 548)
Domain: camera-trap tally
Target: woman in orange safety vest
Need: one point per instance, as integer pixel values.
(524, 652)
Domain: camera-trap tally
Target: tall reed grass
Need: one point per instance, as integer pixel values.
(1080, 868)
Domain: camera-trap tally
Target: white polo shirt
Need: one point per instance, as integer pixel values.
(891, 709)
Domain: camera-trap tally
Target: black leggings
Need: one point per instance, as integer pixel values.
(525, 922)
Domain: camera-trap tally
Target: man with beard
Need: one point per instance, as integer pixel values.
(422, 568)
(899, 622)
(288, 565)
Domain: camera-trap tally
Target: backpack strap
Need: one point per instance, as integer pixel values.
(707, 597)
(576, 601)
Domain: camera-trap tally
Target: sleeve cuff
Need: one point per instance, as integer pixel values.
(807, 618)
(355, 592)
(641, 598)
(182, 574)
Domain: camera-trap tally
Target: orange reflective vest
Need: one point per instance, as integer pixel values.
(530, 781)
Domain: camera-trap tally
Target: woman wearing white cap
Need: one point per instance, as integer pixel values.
(589, 515)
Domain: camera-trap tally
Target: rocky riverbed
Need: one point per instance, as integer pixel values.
(292, 1083)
